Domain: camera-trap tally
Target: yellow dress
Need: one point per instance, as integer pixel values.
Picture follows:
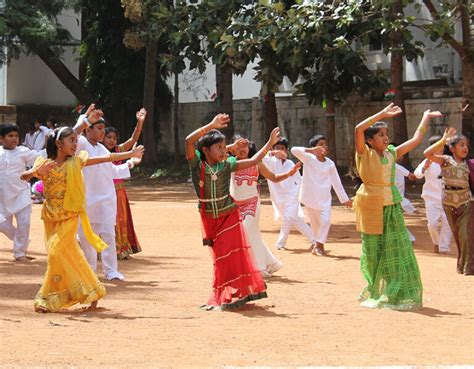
(69, 279)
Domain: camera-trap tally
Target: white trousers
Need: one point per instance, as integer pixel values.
(108, 256)
(438, 225)
(264, 258)
(320, 220)
(288, 209)
(20, 235)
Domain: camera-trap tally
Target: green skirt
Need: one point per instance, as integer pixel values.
(389, 266)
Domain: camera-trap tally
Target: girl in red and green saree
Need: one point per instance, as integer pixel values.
(236, 278)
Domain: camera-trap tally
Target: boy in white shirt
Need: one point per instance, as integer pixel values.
(101, 198)
(400, 174)
(438, 225)
(319, 175)
(284, 195)
(36, 139)
(15, 198)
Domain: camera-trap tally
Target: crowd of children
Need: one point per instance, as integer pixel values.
(82, 171)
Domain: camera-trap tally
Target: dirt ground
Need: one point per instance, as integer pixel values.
(311, 317)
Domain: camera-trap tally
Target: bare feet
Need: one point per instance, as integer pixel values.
(93, 305)
(319, 250)
(41, 309)
(22, 259)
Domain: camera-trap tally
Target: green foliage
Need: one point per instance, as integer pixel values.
(115, 73)
(312, 40)
(33, 22)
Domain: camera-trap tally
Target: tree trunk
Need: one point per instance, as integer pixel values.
(396, 81)
(270, 113)
(62, 72)
(468, 98)
(149, 103)
(177, 155)
(331, 128)
(225, 96)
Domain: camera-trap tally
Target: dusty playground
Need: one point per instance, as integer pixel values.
(311, 318)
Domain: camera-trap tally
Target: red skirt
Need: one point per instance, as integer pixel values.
(125, 237)
(236, 279)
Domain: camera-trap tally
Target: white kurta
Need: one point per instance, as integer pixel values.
(101, 206)
(318, 179)
(99, 183)
(285, 202)
(37, 139)
(400, 174)
(438, 225)
(14, 193)
(15, 198)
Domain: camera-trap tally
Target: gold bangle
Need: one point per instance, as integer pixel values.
(202, 132)
(265, 151)
(422, 129)
(112, 157)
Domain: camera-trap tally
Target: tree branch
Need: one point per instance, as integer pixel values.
(61, 71)
(455, 44)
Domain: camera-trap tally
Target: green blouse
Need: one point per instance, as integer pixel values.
(217, 199)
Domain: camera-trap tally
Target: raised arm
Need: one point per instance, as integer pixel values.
(137, 152)
(413, 142)
(127, 145)
(304, 153)
(422, 168)
(220, 121)
(268, 174)
(254, 160)
(388, 112)
(91, 116)
(430, 152)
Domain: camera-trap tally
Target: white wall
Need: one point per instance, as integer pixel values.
(3, 84)
(30, 81)
(195, 87)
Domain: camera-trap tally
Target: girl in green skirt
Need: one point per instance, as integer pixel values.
(388, 262)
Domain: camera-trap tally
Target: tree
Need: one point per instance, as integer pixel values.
(212, 17)
(260, 32)
(33, 27)
(138, 36)
(445, 16)
(330, 66)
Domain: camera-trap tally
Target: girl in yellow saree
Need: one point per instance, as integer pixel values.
(69, 279)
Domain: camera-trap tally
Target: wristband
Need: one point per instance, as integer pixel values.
(87, 121)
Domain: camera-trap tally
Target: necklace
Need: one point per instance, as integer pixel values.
(213, 174)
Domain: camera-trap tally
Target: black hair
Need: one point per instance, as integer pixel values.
(114, 130)
(283, 141)
(373, 130)
(7, 128)
(53, 121)
(252, 146)
(210, 138)
(313, 141)
(51, 148)
(433, 139)
(453, 142)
